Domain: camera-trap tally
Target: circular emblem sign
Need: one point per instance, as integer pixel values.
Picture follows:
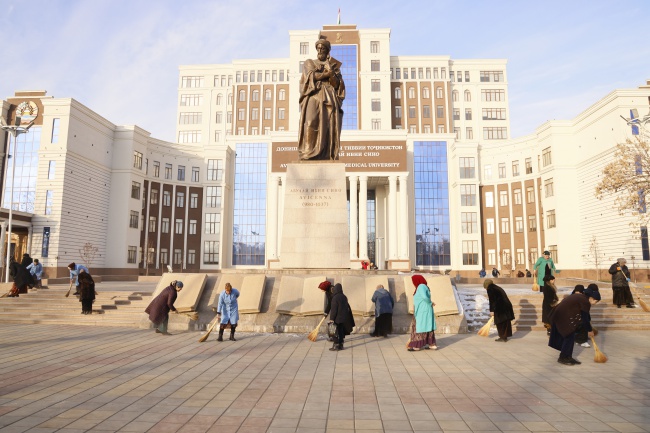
(27, 111)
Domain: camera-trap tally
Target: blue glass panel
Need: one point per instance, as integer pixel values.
(249, 213)
(26, 171)
(432, 228)
(347, 54)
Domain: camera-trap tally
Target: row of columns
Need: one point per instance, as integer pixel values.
(396, 215)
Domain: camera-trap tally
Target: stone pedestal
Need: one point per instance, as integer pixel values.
(315, 227)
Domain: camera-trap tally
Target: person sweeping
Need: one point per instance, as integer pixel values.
(228, 311)
(500, 309)
(162, 304)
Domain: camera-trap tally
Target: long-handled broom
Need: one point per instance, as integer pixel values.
(485, 330)
(212, 325)
(192, 315)
(68, 294)
(599, 356)
(313, 335)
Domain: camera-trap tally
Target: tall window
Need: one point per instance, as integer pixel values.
(468, 96)
(194, 201)
(304, 48)
(411, 92)
(425, 93)
(529, 166)
(503, 198)
(532, 224)
(133, 220)
(546, 157)
(398, 112)
(467, 168)
(468, 222)
(212, 223)
(374, 47)
(550, 218)
(505, 225)
(532, 255)
(180, 199)
(195, 174)
(375, 85)
(469, 133)
(249, 215)
(502, 170)
(211, 252)
(152, 224)
(49, 202)
(137, 160)
(516, 196)
(376, 124)
(153, 196)
(167, 200)
(164, 225)
(135, 190)
(492, 257)
(181, 172)
(548, 187)
(164, 256)
(470, 252)
(168, 171)
(530, 195)
(156, 169)
(468, 195)
(398, 93)
(50, 170)
(55, 130)
(347, 54)
(191, 227)
(282, 95)
(426, 111)
(489, 199)
(487, 171)
(439, 92)
(375, 65)
(515, 168)
(215, 169)
(553, 250)
(519, 224)
(431, 203)
(213, 196)
(178, 256)
(191, 257)
(489, 226)
(179, 226)
(132, 254)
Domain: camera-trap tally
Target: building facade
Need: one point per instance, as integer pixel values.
(435, 182)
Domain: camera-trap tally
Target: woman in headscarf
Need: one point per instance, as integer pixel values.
(341, 315)
(383, 312)
(581, 333)
(549, 302)
(569, 314)
(326, 287)
(501, 309)
(161, 305)
(86, 292)
(423, 324)
(228, 311)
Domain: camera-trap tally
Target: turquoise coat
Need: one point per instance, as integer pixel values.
(425, 319)
(228, 307)
(540, 267)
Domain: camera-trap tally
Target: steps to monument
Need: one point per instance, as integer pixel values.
(52, 307)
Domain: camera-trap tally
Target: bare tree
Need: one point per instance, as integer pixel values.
(88, 253)
(595, 256)
(627, 179)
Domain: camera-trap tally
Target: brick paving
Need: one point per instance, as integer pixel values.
(100, 379)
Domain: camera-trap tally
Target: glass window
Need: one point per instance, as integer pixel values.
(178, 256)
(411, 92)
(494, 113)
(215, 169)
(425, 93)
(489, 199)
(454, 96)
(468, 195)
(167, 200)
(412, 112)
(195, 174)
(181, 172)
(546, 157)
(304, 48)
(432, 226)
(189, 118)
(507, 260)
(133, 220)
(503, 198)
(398, 112)
(505, 225)
(211, 252)
(179, 226)
(249, 213)
(492, 257)
(532, 224)
(469, 133)
(191, 81)
(152, 224)
(137, 160)
(164, 225)
(347, 54)
(550, 218)
(515, 168)
(530, 195)
(374, 65)
(502, 170)
(468, 222)
(132, 254)
(553, 250)
(213, 196)
(267, 95)
(282, 95)
(156, 169)
(470, 252)
(467, 168)
(548, 187)
(135, 190)
(168, 171)
(529, 166)
(164, 259)
(468, 96)
(153, 196)
(191, 228)
(489, 226)
(55, 130)
(516, 196)
(519, 224)
(439, 92)
(50, 170)
(191, 257)
(374, 47)
(440, 112)
(189, 136)
(212, 223)
(398, 93)
(375, 85)
(180, 199)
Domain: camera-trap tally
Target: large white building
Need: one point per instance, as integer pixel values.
(434, 179)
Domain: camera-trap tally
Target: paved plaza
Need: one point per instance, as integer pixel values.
(100, 379)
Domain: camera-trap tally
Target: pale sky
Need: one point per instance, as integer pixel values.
(120, 57)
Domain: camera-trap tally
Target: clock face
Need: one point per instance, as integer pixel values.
(27, 111)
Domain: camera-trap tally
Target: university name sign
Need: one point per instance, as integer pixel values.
(383, 156)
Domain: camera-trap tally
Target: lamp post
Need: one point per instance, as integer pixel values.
(15, 130)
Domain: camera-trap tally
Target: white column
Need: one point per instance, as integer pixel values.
(29, 240)
(392, 217)
(3, 235)
(363, 217)
(272, 229)
(403, 208)
(353, 217)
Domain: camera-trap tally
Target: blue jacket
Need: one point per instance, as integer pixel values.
(228, 307)
(383, 302)
(36, 270)
(75, 272)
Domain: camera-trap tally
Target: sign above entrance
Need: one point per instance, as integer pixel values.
(382, 156)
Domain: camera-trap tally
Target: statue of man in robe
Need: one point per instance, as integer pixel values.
(321, 106)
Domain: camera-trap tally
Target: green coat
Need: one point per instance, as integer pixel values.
(540, 267)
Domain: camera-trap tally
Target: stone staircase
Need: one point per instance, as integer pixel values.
(604, 315)
(50, 306)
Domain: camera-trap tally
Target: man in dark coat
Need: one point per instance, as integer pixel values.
(341, 314)
(159, 308)
(565, 320)
(21, 276)
(501, 309)
(621, 284)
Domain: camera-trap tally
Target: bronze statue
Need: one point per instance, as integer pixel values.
(321, 106)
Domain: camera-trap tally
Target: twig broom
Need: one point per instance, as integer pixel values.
(68, 294)
(313, 335)
(599, 356)
(192, 315)
(485, 330)
(642, 303)
(212, 325)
